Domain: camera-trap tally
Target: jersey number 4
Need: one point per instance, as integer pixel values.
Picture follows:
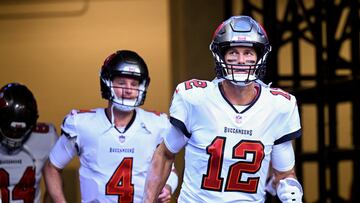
(120, 182)
(24, 190)
(212, 180)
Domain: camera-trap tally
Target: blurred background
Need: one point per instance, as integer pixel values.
(56, 48)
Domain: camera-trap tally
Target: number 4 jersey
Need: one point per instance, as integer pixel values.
(20, 172)
(114, 162)
(227, 154)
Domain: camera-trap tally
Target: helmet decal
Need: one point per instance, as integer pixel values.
(217, 30)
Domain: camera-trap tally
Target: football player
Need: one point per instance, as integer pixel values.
(25, 145)
(233, 128)
(115, 144)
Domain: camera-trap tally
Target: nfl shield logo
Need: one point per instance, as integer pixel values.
(238, 119)
(122, 138)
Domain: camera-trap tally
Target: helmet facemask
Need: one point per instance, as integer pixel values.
(241, 74)
(240, 31)
(15, 136)
(121, 102)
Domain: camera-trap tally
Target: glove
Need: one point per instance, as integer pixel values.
(289, 190)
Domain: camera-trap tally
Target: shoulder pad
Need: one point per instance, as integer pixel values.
(191, 84)
(278, 91)
(193, 91)
(68, 127)
(158, 113)
(283, 100)
(155, 120)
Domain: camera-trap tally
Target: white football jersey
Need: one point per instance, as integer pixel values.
(113, 164)
(21, 172)
(227, 155)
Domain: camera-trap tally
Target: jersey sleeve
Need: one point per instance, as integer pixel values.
(290, 127)
(156, 122)
(63, 152)
(179, 111)
(175, 140)
(68, 127)
(283, 157)
(66, 147)
(165, 125)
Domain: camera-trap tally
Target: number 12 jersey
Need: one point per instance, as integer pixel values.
(228, 152)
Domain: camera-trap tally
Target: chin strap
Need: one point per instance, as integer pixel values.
(112, 116)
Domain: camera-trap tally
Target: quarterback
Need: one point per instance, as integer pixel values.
(233, 128)
(114, 144)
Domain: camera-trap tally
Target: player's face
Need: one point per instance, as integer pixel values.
(243, 59)
(126, 88)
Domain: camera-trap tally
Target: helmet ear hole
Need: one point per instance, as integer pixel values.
(18, 115)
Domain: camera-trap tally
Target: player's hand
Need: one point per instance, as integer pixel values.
(165, 195)
(289, 190)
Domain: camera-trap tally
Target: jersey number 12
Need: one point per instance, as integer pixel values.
(212, 180)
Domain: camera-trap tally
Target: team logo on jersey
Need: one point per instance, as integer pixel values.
(238, 119)
(122, 138)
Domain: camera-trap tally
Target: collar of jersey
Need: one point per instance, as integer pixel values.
(248, 106)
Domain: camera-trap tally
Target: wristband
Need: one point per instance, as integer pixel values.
(172, 181)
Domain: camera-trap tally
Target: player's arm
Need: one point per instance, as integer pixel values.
(172, 180)
(53, 181)
(53, 138)
(159, 171)
(283, 182)
(170, 187)
(162, 163)
(61, 154)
